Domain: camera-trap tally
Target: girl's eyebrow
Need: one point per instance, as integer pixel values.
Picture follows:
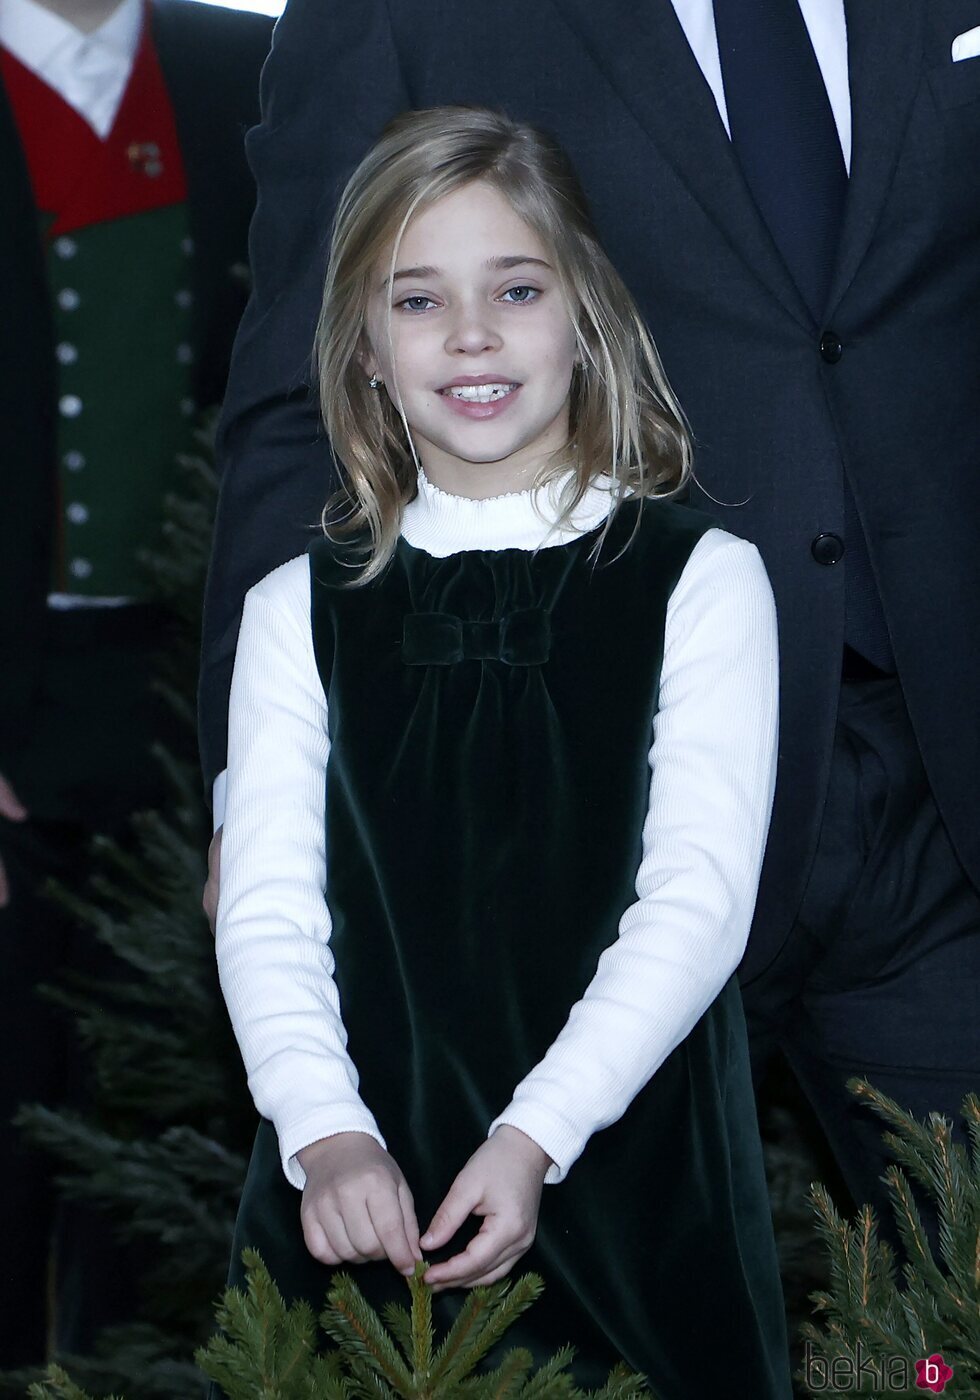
(501, 264)
(515, 260)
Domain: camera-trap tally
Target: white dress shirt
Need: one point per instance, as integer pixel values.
(712, 772)
(90, 71)
(828, 35)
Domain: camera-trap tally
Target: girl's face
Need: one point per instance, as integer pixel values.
(481, 345)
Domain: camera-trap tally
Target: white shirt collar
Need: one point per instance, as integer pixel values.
(90, 71)
(442, 524)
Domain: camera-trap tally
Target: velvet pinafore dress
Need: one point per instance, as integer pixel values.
(490, 718)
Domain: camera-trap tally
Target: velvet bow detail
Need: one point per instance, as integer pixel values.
(440, 639)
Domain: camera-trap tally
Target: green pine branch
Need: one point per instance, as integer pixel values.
(267, 1348)
(934, 1305)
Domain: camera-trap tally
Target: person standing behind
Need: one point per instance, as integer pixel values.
(787, 190)
(122, 257)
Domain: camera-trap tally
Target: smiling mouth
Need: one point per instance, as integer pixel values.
(478, 393)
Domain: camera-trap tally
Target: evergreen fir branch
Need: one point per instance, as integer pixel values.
(134, 1360)
(910, 1227)
(623, 1384)
(351, 1322)
(421, 1317)
(835, 1233)
(507, 1381)
(552, 1379)
(141, 1176)
(971, 1113)
(937, 1308)
(327, 1380)
(267, 1350)
(507, 1300)
(58, 1385)
(466, 1324)
(399, 1324)
(265, 1344)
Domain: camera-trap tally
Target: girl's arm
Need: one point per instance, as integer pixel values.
(713, 764)
(273, 926)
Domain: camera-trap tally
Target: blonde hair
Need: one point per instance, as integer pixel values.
(624, 420)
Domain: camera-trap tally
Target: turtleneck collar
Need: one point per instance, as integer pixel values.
(442, 524)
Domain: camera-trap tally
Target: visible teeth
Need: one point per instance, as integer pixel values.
(479, 393)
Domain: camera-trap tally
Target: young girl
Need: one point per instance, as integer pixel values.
(501, 762)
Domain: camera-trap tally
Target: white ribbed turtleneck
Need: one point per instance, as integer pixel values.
(443, 524)
(712, 763)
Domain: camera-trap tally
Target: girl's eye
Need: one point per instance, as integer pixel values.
(416, 303)
(521, 295)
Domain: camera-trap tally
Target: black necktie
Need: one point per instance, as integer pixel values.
(786, 139)
(784, 135)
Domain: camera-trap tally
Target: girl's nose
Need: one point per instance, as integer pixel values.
(472, 333)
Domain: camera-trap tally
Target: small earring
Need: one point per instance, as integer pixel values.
(375, 382)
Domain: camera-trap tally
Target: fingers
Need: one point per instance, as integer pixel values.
(316, 1240)
(460, 1203)
(11, 806)
(357, 1205)
(393, 1231)
(495, 1274)
(487, 1257)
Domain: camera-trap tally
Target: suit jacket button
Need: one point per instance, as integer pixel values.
(827, 549)
(830, 347)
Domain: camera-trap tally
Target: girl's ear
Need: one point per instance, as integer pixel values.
(366, 358)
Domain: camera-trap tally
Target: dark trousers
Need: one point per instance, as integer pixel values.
(84, 767)
(880, 977)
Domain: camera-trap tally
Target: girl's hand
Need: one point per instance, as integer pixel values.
(356, 1204)
(502, 1181)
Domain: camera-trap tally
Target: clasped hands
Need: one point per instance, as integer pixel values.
(357, 1206)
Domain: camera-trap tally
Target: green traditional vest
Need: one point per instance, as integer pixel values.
(490, 718)
(122, 313)
(114, 224)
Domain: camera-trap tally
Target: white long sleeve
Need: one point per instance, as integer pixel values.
(713, 772)
(712, 764)
(273, 926)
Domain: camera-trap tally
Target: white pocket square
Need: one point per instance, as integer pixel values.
(966, 45)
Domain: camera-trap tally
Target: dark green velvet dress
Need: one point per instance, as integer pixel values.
(490, 718)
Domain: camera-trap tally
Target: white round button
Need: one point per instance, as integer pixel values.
(80, 568)
(67, 354)
(74, 461)
(68, 299)
(65, 247)
(187, 407)
(184, 354)
(187, 246)
(77, 513)
(69, 405)
(184, 298)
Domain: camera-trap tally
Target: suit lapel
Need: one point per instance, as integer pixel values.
(884, 58)
(644, 54)
(19, 229)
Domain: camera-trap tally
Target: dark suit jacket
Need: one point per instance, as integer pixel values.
(211, 59)
(774, 422)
